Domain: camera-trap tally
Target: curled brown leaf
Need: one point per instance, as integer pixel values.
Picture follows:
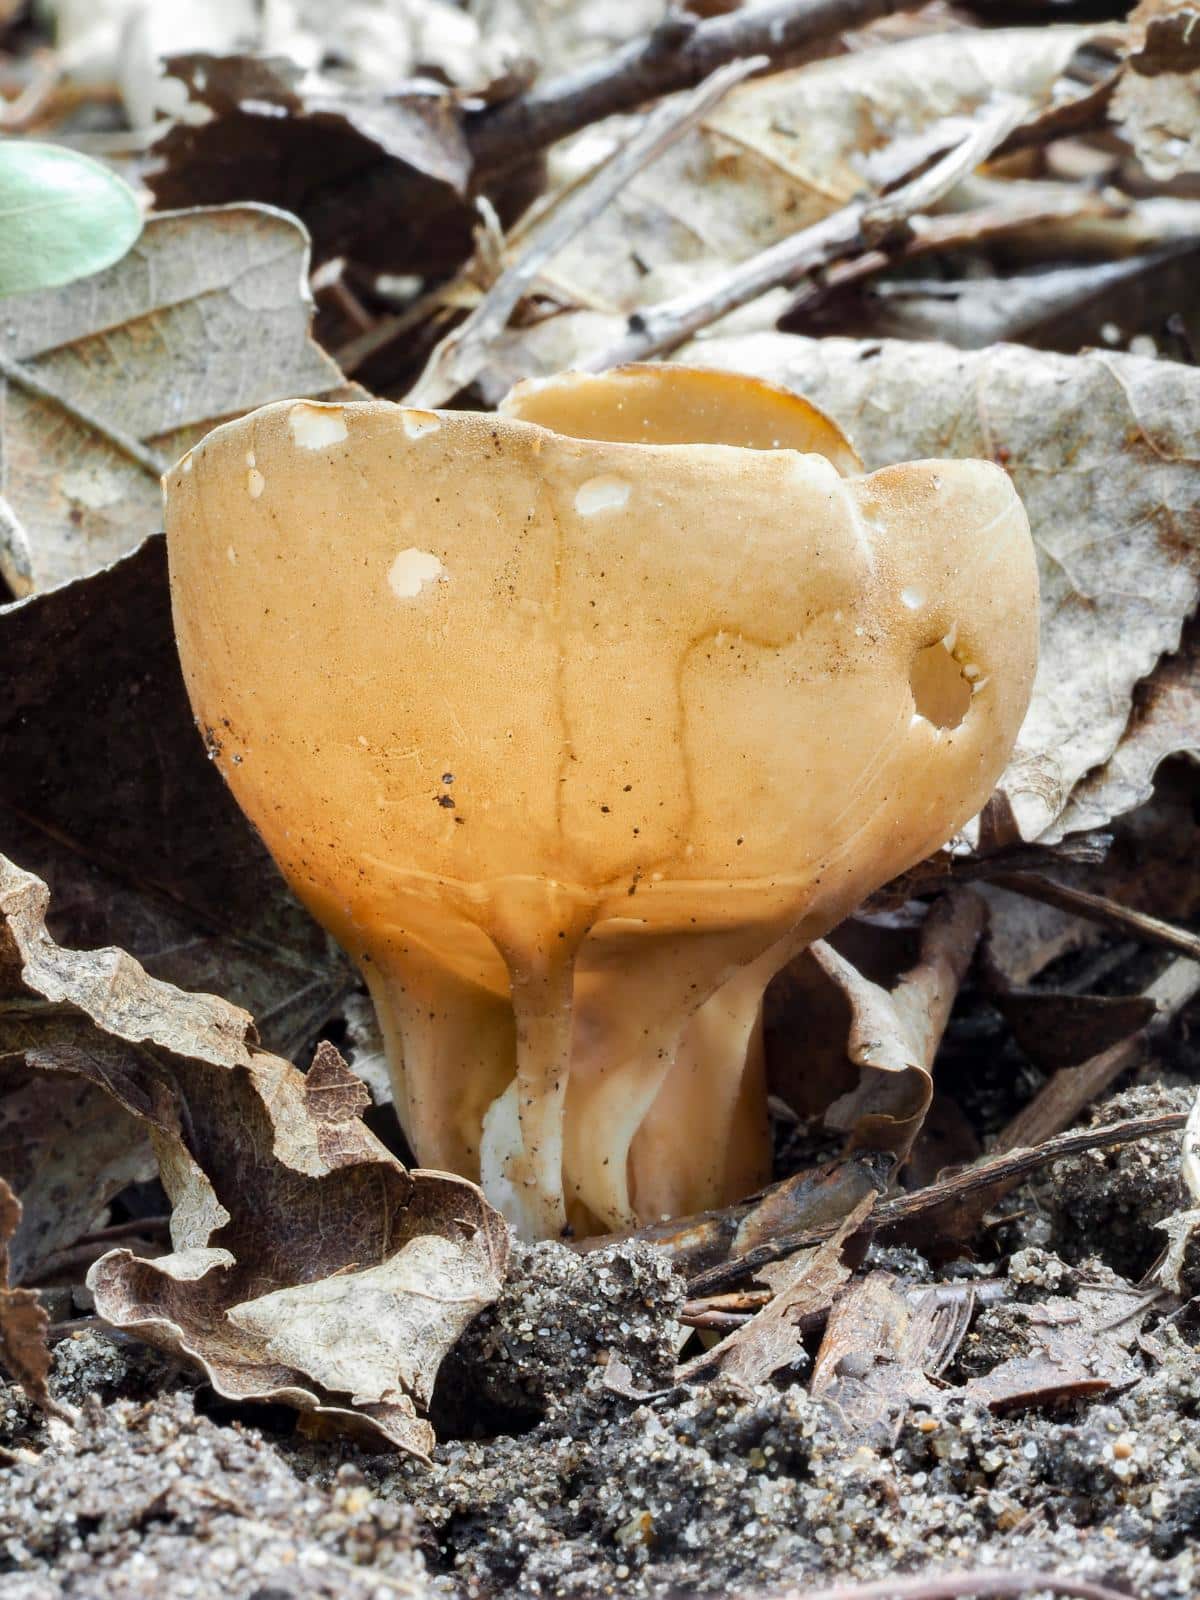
(308, 1265)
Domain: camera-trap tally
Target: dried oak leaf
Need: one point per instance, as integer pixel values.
(381, 178)
(65, 1149)
(24, 1354)
(206, 317)
(1105, 451)
(308, 1265)
(880, 1354)
(1157, 102)
(1065, 1348)
(156, 857)
(868, 1045)
(1058, 1029)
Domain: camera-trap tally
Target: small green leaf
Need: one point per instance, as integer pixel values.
(62, 216)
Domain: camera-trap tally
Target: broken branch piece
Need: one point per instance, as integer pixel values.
(573, 724)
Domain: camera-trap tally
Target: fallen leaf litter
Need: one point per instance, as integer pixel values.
(1025, 1405)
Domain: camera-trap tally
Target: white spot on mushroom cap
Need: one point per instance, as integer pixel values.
(316, 427)
(412, 570)
(605, 493)
(255, 482)
(187, 463)
(419, 423)
(913, 598)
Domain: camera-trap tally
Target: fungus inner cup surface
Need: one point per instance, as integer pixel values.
(574, 723)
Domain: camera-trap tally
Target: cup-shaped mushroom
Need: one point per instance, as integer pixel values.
(573, 723)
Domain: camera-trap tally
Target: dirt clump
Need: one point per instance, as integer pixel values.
(1108, 1202)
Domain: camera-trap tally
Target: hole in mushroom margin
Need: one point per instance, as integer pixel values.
(941, 690)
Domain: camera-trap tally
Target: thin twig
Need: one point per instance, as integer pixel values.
(1098, 908)
(355, 352)
(1082, 113)
(676, 55)
(1009, 1168)
(998, 1172)
(983, 1584)
(462, 353)
(855, 227)
(714, 1321)
(58, 1331)
(941, 235)
(988, 1291)
(741, 1300)
(124, 442)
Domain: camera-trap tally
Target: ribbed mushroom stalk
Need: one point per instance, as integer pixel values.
(574, 723)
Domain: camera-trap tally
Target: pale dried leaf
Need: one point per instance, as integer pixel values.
(373, 1334)
(293, 1228)
(785, 150)
(112, 990)
(1103, 449)
(1165, 722)
(206, 317)
(562, 36)
(1157, 102)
